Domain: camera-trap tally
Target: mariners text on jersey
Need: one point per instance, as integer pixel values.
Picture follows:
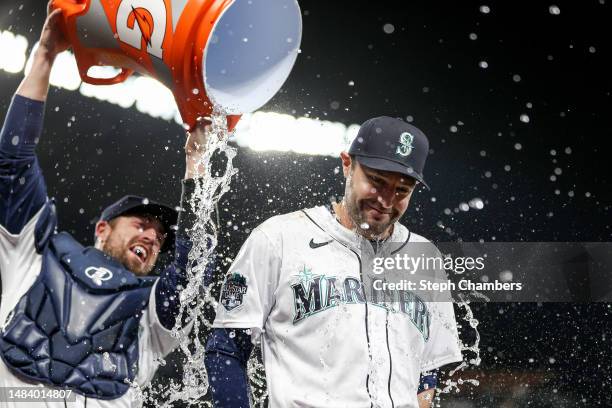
(298, 284)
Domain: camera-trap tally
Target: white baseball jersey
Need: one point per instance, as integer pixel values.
(19, 267)
(296, 281)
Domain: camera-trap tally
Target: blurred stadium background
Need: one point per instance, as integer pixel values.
(514, 96)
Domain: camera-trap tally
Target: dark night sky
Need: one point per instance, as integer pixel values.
(427, 68)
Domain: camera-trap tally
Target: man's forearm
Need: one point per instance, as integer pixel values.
(35, 85)
(426, 398)
(174, 277)
(427, 388)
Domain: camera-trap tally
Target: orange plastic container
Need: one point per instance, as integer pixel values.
(231, 54)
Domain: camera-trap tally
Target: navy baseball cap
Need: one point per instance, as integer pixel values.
(132, 204)
(390, 144)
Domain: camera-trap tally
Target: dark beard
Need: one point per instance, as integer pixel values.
(121, 256)
(354, 212)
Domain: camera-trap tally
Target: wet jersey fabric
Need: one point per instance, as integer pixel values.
(70, 316)
(296, 282)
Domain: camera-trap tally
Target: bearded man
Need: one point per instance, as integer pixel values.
(298, 284)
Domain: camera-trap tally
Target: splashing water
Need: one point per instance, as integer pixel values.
(195, 298)
(450, 385)
(208, 191)
(257, 379)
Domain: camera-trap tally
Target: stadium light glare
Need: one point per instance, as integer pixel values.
(64, 73)
(261, 131)
(273, 131)
(12, 52)
(153, 98)
(118, 94)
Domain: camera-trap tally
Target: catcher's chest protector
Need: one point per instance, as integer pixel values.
(77, 326)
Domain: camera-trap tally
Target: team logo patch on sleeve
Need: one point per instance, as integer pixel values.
(233, 291)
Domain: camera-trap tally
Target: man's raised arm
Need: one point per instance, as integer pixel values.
(22, 187)
(174, 277)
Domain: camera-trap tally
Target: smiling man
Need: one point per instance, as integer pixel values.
(300, 283)
(89, 320)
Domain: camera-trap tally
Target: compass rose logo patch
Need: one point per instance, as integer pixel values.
(234, 289)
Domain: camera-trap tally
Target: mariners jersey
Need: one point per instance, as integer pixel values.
(297, 282)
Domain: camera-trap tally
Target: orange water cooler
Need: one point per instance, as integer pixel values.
(231, 54)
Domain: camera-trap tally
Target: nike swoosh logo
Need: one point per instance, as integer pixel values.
(315, 245)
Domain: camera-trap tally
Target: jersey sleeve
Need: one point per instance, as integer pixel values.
(442, 346)
(22, 188)
(162, 340)
(247, 295)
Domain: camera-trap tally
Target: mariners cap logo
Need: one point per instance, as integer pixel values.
(234, 289)
(405, 147)
(98, 274)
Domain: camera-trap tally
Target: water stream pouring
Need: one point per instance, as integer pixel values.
(230, 54)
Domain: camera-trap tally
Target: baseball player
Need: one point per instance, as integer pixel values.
(297, 283)
(87, 320)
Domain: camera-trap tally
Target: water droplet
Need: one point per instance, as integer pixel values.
(505, 276)
(473, 36)
(524, 118)
(516, 78)
(518, 146)
(476, 203)
(554, 10)
(485, 9)
(388, 28)
(483, 64)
